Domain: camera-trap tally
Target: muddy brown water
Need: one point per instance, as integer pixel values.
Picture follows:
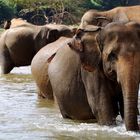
(25, 117)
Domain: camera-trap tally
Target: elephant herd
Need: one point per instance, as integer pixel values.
(92, 72)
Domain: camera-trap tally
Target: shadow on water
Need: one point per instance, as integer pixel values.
(23, 116)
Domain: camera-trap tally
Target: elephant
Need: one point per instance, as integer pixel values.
(121, 62)
(102, 18)
(119, 46)
(14, 22)
(62, 71)
(40, 62)
(72, 101)
(100, 93)
(19, 44)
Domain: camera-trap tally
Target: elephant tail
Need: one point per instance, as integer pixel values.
(51, 57)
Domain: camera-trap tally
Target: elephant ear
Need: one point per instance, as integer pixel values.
(92, 28)
(7, 24)
(135, 26)
(120, 17)
(76, 43)
(102, 21)
(100, 39)
(52, 35)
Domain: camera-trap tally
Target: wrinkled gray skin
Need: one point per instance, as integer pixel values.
(102, 18)
(120, 48)
(99, 89)
(63, 69)
(39, 66)
(19, 44)
(63, 73)
(121, 61)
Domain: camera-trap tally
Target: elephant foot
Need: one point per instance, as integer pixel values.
(6, 69)
(139, 128)
(134, 128)
(138, 113)
(45, 90)
(45, 96)
(108, 123)
(40, 96)
(6, 65)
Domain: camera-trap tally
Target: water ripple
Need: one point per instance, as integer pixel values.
(23, 116)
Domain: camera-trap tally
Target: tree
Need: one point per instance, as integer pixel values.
(6, 12)
(58, 11)
(109, 4)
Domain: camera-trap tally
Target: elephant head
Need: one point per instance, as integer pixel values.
(120, 47)
(94, 17)
(102, 18)
(84, 43)
(63, 30)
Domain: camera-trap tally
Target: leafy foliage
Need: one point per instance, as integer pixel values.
(63, 9)
(6, 11)
(109, 4)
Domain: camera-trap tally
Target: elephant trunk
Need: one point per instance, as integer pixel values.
(130, 110)
(128, 76)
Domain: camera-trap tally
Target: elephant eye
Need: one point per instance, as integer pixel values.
(112, 56)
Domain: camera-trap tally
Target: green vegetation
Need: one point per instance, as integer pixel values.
(5, 11)
(59, 11)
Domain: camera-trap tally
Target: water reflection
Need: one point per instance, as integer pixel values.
(23, 116)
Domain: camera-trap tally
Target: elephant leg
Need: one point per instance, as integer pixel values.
(64, 114)
(7, 67)
(6, 63)
(45, 91)
(138, 113)
(120, 100)
(121, 105)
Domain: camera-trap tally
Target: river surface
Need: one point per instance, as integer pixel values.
(25, 117)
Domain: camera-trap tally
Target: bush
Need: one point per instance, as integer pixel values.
(6, 12)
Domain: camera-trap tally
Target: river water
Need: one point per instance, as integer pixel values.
(25, 117)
